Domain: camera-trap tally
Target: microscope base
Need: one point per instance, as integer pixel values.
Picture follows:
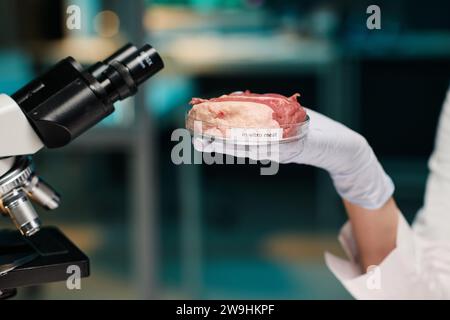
(50, 254)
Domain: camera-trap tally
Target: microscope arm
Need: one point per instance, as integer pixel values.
(6, 164)
(17, 136)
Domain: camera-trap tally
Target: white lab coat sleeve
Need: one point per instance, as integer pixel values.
(433, 220)
(419, 266)
(403, 274)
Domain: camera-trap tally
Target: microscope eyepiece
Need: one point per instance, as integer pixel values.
(67, 100)
(122, 73)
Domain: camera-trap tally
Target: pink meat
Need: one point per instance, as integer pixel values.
(286, 110)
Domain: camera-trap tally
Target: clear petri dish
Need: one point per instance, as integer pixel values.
(219, 131)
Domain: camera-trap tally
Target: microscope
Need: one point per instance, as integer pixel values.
(51, 111)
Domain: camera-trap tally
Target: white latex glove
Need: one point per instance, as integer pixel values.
(345, 154)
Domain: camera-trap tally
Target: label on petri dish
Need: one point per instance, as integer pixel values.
(255, 134)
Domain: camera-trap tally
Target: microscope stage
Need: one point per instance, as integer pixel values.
(51, 257)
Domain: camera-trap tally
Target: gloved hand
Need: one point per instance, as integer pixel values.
(356, 173)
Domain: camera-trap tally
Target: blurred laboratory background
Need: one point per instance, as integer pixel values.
(156, 230)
